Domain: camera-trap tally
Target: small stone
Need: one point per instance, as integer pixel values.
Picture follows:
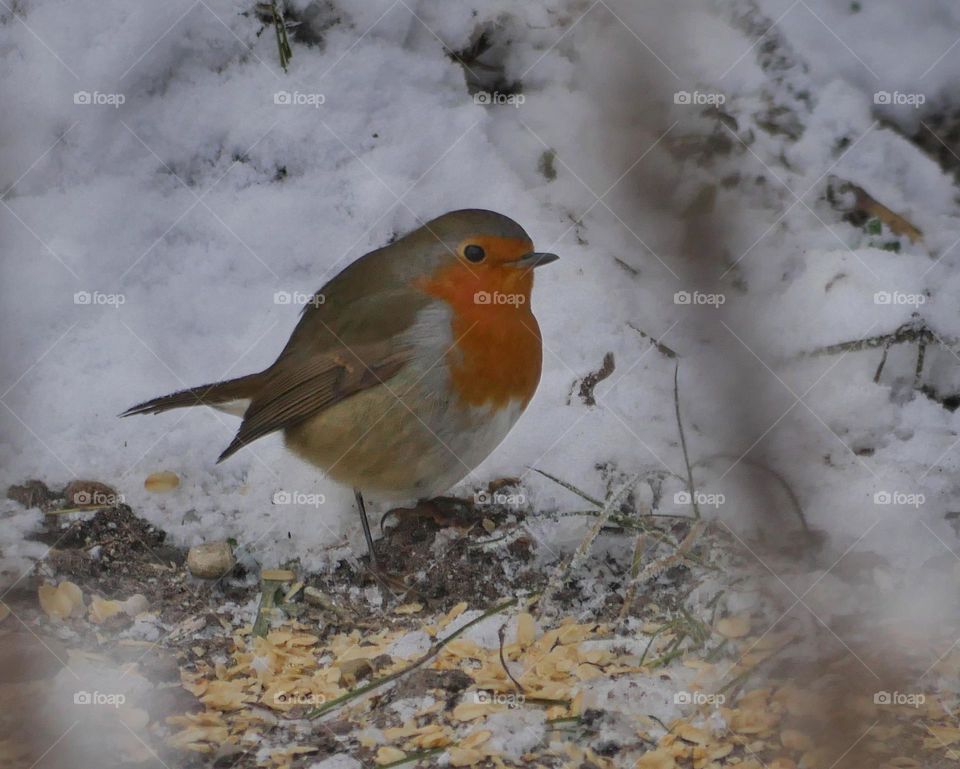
(210, 561)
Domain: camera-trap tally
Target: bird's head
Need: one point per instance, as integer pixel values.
(479, 259)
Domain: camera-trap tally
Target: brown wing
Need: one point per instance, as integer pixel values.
(295, 389)
(340, 347)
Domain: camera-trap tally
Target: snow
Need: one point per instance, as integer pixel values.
(516, 731)
(339, 761)
(410, 646)
(185, 209)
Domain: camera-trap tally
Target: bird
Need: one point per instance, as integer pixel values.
(405, 370)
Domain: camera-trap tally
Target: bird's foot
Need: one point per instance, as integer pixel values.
(443, 511)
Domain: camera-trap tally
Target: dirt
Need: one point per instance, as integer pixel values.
(475, 552)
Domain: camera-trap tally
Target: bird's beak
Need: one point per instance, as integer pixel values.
(534, 259)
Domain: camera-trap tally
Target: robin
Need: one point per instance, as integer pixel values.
(407, 369)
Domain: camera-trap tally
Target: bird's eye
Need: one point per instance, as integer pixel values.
(474, 253)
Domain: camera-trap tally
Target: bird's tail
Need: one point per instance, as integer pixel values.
(218, 395)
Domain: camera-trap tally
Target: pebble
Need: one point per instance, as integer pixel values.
(211, 560)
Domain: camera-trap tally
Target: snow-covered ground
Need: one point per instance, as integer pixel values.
(148, 233)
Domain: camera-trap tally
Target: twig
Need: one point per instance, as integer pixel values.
(918, 371)
(661, 347)
(622, 521)
(503, 661)
(867, 205)
(569, 487)
(683, 443)
(883, 362)
(432, 652)
(654, 718)
(580, 554)
(659, 566)
(913, 331)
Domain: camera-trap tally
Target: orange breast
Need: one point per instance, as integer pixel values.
(497, 353)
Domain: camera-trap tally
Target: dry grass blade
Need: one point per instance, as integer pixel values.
(569, 487)
(691, 489)
(579, 555)
(432, 652)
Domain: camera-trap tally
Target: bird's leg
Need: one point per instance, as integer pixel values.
(371, 550)
(392, 584)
